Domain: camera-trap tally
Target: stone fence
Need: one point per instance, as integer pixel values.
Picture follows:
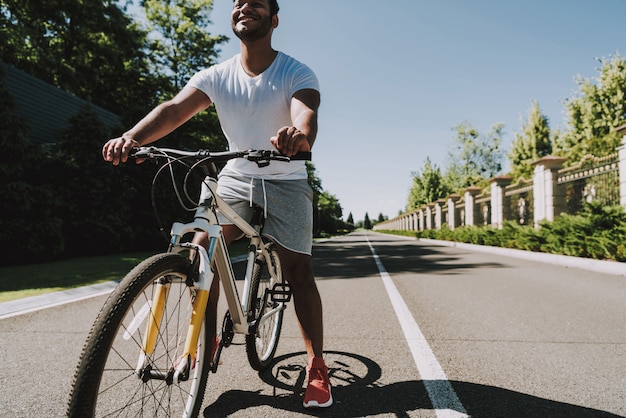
(552, 190)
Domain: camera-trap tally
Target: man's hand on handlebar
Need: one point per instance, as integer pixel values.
(290, 140)
(116, 150)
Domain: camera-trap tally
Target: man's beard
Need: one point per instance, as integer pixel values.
(265, 25)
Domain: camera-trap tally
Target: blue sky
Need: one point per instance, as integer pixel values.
(397, 76)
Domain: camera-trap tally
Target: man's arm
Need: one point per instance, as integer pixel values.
(301, 135)
(162, 120)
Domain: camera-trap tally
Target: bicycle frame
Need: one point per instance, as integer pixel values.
(158, 314)
(216, 254)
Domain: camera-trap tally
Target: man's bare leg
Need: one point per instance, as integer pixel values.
(298, 271)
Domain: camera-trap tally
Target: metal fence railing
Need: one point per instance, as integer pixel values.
(552, 190)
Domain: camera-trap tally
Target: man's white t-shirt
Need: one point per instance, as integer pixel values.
(251, 110)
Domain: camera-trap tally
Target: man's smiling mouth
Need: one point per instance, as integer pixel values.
(245, 19)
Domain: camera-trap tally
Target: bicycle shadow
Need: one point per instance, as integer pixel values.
(358, 393)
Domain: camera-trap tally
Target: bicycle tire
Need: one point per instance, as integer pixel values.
(262, 343)
(106, 382)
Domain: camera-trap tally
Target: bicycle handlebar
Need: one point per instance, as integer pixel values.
(261, 157)
(207, 161)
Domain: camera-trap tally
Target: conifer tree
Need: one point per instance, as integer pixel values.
(531, 144)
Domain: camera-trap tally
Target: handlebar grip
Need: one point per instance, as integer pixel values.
(302, 156)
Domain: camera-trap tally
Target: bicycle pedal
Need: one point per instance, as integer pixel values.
(281, 293)
(227, 331)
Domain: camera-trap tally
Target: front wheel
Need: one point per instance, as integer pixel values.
(261, 345)
(116, 375)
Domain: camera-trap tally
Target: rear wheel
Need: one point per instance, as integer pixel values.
(114, 378)
(262, 343)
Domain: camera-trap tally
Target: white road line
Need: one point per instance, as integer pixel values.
(445, 401)
(50, 300)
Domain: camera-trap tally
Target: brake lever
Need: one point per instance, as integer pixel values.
(144, 152)
(260, 157)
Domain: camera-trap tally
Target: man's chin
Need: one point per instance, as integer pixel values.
(248, 35)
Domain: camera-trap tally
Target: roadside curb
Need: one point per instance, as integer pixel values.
(599, 266)
(49, 300)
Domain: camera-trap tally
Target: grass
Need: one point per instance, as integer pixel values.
(37, 279)
(32, 280)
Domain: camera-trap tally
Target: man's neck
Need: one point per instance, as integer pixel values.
(257, 56)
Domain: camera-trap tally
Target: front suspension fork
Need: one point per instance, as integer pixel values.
(184, 363)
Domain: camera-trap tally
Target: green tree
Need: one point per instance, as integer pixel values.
(29, 229)
(350, 221)
(93, 50)
(327, 210)
(594, 112)
(367, 223)
(474, 157)
(98, 53)
(533, 143)
(180, 45)
(180, 40)
(314, 181)
(91, 213)
(428, 185)
(330, 213)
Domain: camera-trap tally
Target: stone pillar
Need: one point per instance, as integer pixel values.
(622, 166)
(420, 219)
(429, 215)
(470, 205)
(547, 196)
(453, 216)
(499, 204)
(438, 214)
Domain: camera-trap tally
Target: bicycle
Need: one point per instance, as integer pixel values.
(148, 351)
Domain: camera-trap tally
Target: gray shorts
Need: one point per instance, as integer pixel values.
(288, 205)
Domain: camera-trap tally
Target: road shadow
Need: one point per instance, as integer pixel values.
(353, 259)
(358, 393)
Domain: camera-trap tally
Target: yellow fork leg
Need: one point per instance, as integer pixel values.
(197, 316)
(155, 318)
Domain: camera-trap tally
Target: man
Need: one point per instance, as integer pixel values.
(264, 99)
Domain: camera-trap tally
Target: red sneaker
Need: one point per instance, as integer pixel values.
(317, 393)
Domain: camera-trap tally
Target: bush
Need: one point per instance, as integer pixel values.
(597, 232)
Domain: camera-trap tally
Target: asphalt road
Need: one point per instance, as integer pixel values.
(412, 330)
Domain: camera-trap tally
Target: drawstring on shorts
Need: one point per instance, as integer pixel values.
(264, 194)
